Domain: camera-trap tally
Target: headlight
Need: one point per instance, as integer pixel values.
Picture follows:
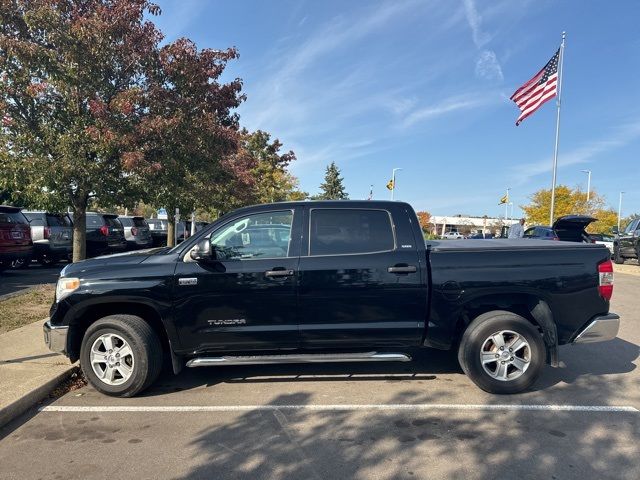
(66, 286)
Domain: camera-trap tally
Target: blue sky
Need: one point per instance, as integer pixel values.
(425, 85)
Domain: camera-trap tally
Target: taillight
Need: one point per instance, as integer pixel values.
(605, 279)
(104, 230)
(47, 232)
(134, 231)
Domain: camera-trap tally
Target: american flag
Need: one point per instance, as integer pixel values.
(542, 87)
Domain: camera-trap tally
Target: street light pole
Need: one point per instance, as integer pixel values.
(393, 181)
(619, 209)
(588, 172)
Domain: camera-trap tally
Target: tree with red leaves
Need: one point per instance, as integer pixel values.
(72, 85)
(189, 133)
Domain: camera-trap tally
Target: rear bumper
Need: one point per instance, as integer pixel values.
(46, 248)
(14, 253)
(600, 329)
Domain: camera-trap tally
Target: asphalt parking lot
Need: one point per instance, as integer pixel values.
(418, 420)
(15, 280)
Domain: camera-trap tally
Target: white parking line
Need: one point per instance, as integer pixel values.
(403, 407)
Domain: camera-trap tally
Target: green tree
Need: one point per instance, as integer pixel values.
(189, 136)
(272, 182)
(70, 82)
(332, 188)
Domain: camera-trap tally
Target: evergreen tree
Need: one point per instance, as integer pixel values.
(332, 188)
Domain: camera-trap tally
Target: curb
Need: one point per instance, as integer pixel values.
(17, 408)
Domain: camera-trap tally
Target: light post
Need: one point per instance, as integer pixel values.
(588, 172)
(393, 181)
(619, 209)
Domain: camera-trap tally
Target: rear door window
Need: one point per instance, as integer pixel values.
(349, 231)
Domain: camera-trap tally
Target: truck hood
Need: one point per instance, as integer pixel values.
(125, 258)
(571, 228)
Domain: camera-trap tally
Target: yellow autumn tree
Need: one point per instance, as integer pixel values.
(570, 201)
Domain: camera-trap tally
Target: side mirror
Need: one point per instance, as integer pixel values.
(614, 230)
(202, 251)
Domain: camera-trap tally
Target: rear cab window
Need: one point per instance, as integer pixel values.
(349, 231)
(139, 222)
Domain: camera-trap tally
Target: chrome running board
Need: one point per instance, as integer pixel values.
(299, 358)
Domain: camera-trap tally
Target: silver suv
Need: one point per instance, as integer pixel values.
(136, 232)
(52, 235)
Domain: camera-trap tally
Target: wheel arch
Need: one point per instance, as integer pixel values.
(527, 305)
(89, 314)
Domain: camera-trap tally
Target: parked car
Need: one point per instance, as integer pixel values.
(453, 236)
(627, 243)
(570, 228)
(330, 282)
(105, 234)
(136, 232)
(602, 239)
(158, 228)
(52, 235)
(16, 247)
(481, 236)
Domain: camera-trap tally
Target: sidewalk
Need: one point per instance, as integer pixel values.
(28, 370)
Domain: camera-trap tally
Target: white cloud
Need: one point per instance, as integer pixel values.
(619, 137)
(444, 107)
(475, 23)
(488, 67)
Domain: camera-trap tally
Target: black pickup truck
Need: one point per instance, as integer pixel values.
(337, 281)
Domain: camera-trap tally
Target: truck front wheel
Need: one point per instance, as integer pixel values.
(502, 352)
(121, 355)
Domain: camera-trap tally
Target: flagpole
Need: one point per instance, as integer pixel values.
(555, 151)
(506, 207)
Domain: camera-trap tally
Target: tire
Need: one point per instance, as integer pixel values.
(20, 263)
(477, 339)
(143, 364)
(48, 260)
(617, 258)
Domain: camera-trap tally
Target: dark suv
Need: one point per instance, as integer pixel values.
(627, 243)
(105, 234)
(15, 237)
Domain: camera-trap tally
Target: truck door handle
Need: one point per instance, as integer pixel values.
(278, 273)
(402, 269)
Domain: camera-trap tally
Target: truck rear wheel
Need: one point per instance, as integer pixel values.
(617, 258)
(121, 355)
(502, 352)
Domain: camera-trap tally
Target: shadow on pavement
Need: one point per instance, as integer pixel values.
(305, 444)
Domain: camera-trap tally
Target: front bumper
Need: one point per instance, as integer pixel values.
(55, 336)
(600, 329)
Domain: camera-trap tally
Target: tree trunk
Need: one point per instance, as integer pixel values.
(79, 232)
(171, 227)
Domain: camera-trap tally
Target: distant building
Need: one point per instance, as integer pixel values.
(466, 225)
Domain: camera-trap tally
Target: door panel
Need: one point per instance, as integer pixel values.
(359, 299)
(246, 299)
